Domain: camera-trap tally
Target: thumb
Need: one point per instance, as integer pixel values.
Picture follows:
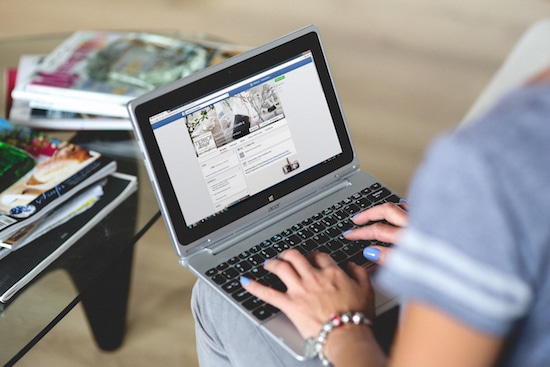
(376, 254)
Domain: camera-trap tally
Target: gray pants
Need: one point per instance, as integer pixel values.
(226, 338)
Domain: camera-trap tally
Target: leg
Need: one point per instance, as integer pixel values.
(106, 301)
(226, 338)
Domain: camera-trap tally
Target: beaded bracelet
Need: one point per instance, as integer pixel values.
(314, 346)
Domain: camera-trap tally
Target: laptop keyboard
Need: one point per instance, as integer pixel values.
(321, 232)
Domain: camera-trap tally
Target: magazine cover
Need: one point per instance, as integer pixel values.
(38, 172)
(96, 72)
(102, 71)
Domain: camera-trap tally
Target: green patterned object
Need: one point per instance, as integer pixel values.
(14, 164)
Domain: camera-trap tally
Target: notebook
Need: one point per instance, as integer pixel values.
(251, 157)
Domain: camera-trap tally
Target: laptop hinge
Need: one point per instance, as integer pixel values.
(255, 227)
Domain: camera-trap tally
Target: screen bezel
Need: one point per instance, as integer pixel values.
(216, 78)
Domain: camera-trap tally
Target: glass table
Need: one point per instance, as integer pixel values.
(95, 270)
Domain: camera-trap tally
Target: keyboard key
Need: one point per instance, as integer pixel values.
(219, 279)
(253, 303)
(268, 253)
(256, 260)
(379, 194)
(338, 256)
(232, 286)
(359, 259)
(262, 313)
(257, 273)
(393, 199)
(309, 245)
(230, 273)
(334, 245)
(350, 249)
(293, 240)
(286, 233)
(255, 249)
(233, 260)
(241, 295)
(320, 238)
(352, 209)
(244, 255)
(304, 233)
(243, 266)
(222, 266)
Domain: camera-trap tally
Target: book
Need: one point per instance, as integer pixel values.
(39, 172)
(98, 72)
(20, 267)
(40, 118)
(72, 207)
(22, 111)
(10, 76)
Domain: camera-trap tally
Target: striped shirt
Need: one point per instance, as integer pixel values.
(478, 244)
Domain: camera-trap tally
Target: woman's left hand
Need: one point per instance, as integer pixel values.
(316, 289)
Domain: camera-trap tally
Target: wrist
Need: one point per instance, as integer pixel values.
(349, 343)
(316, 346)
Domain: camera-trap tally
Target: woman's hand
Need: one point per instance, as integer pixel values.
(382, 223)
(316, 288)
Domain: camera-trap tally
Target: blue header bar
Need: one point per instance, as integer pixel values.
(235, 91)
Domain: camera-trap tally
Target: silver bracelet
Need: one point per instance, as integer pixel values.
(314, 346)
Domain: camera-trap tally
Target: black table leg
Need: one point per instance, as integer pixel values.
(105, 302)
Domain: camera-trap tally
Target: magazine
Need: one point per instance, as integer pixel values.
(20, 267)
(99, 72)
(38, 173)
(22, 111)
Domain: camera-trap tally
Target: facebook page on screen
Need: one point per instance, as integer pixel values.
(246, 138)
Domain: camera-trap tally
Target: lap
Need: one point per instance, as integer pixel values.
(225, 337)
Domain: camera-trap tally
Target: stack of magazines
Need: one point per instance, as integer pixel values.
(82, 84)
(44, 183)
(86, 81)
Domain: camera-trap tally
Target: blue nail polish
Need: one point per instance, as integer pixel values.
(371, 253)
(265, 261)
(347, 232)
(355, 216)
(244, 280)
(404, 201)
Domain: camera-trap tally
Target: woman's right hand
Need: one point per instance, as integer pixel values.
(384, 223)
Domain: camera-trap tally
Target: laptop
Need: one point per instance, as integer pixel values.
(250, 157)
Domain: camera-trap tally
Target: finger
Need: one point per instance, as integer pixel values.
(282, 269)
(395, 214)
(375, 231)
(360, 274)
(299, 262)
(321, 259)
(377, 254)
(265, 293)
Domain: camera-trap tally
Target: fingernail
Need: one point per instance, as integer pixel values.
(347, 232)
(371, 253)
(265, 262)
(404, 201)
(244, 280)
(355, 216)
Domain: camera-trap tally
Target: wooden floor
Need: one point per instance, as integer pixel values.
(405, 71)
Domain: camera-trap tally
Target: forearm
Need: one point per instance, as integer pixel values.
(354, 345)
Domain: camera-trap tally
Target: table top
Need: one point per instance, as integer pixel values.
(57, 289)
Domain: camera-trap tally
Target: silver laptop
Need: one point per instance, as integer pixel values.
(251, 157)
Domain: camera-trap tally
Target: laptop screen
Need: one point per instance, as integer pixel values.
(247, 141)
